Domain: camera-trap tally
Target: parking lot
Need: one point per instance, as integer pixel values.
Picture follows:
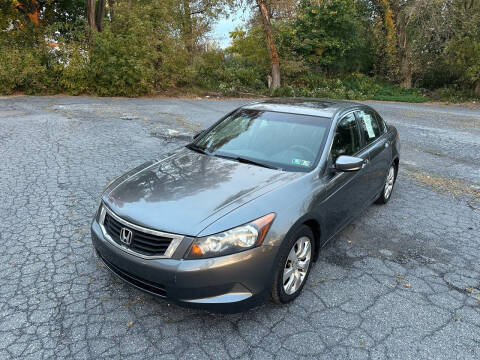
(400, 282)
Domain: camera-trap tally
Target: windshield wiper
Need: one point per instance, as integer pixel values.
(197, 149)
(247, 161)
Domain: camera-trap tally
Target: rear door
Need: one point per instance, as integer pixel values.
(378, 148)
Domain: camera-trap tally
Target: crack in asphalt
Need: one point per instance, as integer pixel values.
(401, 282)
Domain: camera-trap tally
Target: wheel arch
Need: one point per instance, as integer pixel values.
(314, 224)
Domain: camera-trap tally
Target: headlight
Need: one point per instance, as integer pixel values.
(231, 241)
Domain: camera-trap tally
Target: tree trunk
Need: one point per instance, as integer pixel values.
(389, 62)
(405, 64)
(272, 50)
(111, 8)
(100, 14)
(187, 27)
(95, 12)
(477, 88)
(406, 73)
(404, 61)
(90, 13)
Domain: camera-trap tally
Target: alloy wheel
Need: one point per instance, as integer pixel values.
(389, 182)
(297, 264)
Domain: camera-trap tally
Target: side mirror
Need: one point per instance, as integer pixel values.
(349, 163)
(198, 134)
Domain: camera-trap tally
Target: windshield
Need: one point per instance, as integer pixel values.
(285, 141)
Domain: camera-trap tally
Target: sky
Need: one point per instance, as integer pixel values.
(220, 30)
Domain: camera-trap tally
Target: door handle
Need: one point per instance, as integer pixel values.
(387, 144)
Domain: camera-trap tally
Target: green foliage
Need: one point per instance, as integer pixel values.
(26, 66)
(354, 87)
(336, 48)
(210, 69)
(20, 70)
(326, 34)
(248, 47)
(463, 56)
(120, 65)
(221, 71)
(454, 94)
(74, 78)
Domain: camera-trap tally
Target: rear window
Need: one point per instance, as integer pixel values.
(370, 127)
(381, 123)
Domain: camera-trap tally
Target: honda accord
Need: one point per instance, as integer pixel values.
(242, 212)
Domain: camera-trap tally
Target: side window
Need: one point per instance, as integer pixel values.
(370, 128)
(381, 123)
(347, 138)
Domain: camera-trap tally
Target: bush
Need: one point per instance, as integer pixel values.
(120, 65)
(210, 70)
(10, 77)
(22, 70)
(74, 78)
(454, 95)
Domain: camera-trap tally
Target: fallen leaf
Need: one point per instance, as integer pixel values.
(407, 285)
(133, 302)
(129, 324)
(322, 280)
(104, 299)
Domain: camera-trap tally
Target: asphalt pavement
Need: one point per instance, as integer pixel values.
(401, 282)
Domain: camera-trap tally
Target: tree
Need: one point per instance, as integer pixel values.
(403, 11)
(327, 34)
(194, 17)
(272, 50)
(95, 12)
(462, 51)
(245, 46)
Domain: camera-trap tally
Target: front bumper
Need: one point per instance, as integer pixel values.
(229, 283)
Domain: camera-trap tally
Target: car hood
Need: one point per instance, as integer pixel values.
(188, 191)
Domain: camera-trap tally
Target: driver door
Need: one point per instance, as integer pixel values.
(346, 192)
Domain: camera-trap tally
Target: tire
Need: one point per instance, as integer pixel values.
(388, 185)
(291, 256)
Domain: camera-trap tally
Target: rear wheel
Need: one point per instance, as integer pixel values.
(293, 266)
(388, 186)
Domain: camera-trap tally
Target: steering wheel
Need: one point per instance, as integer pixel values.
(304, 150)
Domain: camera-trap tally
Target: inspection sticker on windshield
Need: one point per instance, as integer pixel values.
(301, 162)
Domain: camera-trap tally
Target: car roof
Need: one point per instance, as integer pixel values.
(304, 106)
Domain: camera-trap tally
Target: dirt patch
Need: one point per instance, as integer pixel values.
(451, 186)
(473, 123)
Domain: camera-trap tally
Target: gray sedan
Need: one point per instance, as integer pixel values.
(241, 213)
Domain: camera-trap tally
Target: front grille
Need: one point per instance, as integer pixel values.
(146, 285)
(142, 242)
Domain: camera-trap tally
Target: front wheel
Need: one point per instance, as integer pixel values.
(387, 187)
(293, 266)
